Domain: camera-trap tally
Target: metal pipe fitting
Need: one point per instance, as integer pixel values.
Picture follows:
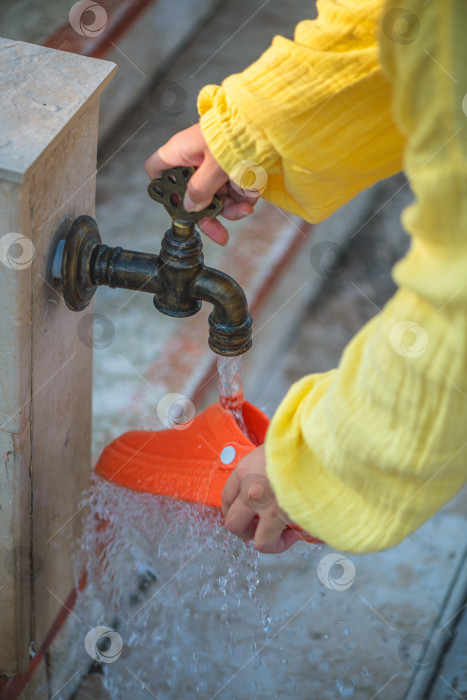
(230, 321)
(177, 277)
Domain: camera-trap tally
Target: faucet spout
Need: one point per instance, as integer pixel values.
(230, 321)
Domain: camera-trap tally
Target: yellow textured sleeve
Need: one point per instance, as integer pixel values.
(363, 455)
(314, 112)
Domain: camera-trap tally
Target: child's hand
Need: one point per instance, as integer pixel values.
(250, 507)
(189, 147)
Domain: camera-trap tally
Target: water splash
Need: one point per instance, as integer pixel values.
(186, 596)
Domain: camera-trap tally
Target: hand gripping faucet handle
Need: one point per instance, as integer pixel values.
(170, 189)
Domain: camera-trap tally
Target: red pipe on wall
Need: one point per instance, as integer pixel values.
(12, 688)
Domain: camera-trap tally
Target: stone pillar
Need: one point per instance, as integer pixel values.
(48, 136)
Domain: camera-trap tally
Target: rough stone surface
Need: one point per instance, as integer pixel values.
(42, 89)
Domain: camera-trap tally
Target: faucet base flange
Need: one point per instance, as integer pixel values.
(80, 243)
(189, 310)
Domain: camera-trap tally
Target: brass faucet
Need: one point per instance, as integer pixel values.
(177, 277)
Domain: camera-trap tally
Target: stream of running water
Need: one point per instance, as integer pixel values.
(230, 370)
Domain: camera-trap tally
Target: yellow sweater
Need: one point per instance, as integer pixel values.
(362, 455)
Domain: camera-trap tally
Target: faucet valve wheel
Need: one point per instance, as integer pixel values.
(169, 190)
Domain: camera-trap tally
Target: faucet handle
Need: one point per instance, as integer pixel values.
(170, 189)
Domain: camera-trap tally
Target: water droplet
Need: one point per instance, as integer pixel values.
(345, 690)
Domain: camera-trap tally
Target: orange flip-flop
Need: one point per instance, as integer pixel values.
(191, 461)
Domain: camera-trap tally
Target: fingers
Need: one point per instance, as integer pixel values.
(230, 491)
(271, 534)
(232, 211)
(250, 530)
(287, 538)
(267, 543)
(187, 147)
(251, 509)
(203, 184)
(268, 535)
(235, 211)
(156, 164)
(235, 196)
(239, 519)
(214, 230)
